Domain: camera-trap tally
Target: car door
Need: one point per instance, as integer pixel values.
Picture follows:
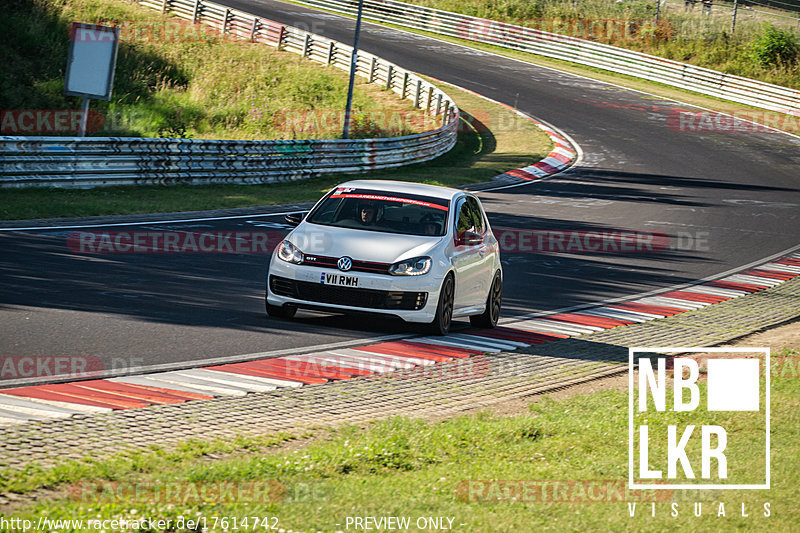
(487, 249)
(468, 257)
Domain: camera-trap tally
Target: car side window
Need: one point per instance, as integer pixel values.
(477, 215)
(465, 221)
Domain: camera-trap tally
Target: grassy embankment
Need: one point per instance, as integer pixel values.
(221, 89)
(178, 79)
(415, 468)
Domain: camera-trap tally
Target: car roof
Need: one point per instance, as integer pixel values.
(405, 187)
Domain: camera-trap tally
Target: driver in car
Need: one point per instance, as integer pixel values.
(430, 226)
(367, 213)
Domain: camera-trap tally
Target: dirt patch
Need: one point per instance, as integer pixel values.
(776, 339)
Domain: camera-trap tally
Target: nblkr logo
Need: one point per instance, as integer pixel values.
(666, 453)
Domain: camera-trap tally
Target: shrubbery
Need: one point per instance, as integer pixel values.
(776, 48)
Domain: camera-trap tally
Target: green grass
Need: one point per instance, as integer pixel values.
(174, 79)
(403, 467)
(506, 142)
(123, 465)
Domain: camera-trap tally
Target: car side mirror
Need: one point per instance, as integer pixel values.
(469, 238)
(295, 219)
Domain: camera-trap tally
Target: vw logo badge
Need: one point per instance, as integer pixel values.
(345, 264)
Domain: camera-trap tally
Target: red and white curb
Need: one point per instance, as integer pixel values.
(42, 402)
(562, 156)
(565, 153)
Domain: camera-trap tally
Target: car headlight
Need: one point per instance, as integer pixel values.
(290, 253)
(416, 266)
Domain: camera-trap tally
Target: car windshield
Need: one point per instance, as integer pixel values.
(383, 211)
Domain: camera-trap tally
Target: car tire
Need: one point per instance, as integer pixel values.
(494, 300)
(444, 310)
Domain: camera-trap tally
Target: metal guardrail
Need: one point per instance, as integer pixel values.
(603, 56)
(98, 161)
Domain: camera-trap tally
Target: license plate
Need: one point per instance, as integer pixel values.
(340, 280)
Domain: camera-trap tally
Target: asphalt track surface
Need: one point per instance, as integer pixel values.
(724, 200)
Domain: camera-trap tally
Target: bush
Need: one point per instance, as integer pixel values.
(775, 48)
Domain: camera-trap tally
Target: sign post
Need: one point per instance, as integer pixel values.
(90, 65)
(353, 66)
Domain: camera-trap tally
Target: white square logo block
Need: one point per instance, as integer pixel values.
(733, 384)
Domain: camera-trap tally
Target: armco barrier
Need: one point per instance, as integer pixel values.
(96, 161)
(603, 56)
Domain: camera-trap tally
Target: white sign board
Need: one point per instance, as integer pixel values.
(92, 58)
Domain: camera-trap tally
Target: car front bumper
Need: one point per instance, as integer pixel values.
(411, 298)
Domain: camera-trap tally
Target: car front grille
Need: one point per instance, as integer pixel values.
(358, 265)
(330, 294)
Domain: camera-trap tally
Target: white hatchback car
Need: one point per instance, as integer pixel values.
(423, 253)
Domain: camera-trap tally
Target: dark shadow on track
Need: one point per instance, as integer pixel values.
(605, 184)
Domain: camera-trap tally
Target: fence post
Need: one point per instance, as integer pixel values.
(418, 94)
(281, 35)
(389, 74)
(306, 44)
(733, 20)
(405, 85)
(331, 51)
(372, 69)
(194, 12)
(164, 5)
(253, 29)
(225, 20)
